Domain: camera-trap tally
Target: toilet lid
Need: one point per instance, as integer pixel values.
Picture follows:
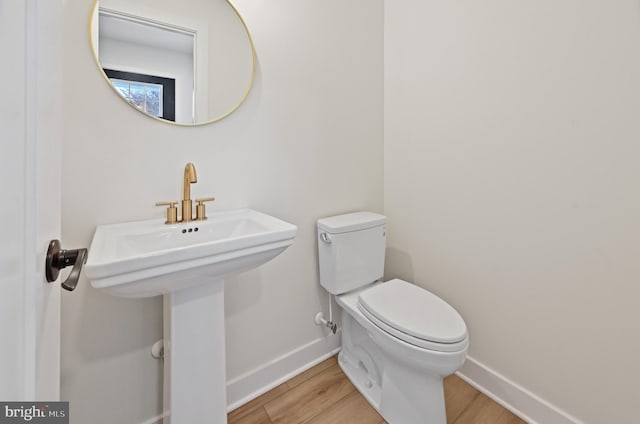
(413, 311)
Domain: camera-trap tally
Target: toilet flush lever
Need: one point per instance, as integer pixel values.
(325, 238)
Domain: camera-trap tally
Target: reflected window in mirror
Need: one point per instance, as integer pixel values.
(203, 44)
(149, 93)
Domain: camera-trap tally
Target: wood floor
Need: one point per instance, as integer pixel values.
(324, 395)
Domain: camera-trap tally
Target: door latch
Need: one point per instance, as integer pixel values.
(58, 259)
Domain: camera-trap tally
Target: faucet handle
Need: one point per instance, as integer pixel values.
(172, 211)
(200, 210)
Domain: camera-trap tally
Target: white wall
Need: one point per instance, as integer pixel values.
(511, 186)
(307, 143)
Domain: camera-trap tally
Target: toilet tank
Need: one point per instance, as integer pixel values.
(351, 250)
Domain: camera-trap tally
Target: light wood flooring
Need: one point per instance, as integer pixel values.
(324, 395)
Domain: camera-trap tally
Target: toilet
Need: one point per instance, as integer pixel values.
(398, 340)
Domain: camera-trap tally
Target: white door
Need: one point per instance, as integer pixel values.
(30, 163)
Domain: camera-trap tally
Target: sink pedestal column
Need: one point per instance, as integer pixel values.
(194, 355)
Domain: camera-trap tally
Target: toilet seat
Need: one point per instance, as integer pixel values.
(414, 315)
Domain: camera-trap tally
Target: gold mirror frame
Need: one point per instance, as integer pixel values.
(96, 58)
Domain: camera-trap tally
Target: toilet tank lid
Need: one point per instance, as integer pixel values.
(350, 222)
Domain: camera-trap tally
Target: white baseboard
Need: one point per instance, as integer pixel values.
(526, 405)
(156, 420)
(248, 386)
(515, 398)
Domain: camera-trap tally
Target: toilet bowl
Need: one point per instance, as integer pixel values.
(398, 340)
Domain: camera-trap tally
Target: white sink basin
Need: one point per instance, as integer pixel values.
(150, 258)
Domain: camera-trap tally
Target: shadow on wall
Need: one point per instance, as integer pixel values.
(242, 291)
(104, 320)
(398, 264)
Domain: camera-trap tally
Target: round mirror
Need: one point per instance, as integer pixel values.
(190, 62)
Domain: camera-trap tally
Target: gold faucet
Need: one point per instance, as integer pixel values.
(190, 177)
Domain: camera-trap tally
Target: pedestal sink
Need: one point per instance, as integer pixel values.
(186, 263)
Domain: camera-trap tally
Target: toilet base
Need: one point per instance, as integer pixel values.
(395, 391)
(402, 382)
